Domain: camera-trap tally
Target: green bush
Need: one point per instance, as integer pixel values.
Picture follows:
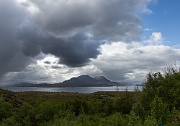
(5, 109)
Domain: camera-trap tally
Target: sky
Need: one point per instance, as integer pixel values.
(49, 41)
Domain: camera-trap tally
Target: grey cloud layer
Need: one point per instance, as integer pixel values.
(71, 30)
(112, 20)
(11, 57)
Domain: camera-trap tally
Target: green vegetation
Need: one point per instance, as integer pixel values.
(155, 105)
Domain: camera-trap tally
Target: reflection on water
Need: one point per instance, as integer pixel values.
(73, 89)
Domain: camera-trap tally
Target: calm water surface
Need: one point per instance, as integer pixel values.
(72, 89)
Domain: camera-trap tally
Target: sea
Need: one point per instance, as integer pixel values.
(85, 90)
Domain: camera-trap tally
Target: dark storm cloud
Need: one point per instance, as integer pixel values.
(74, 51)
(11, 58)
(47, 62)
(71, 30)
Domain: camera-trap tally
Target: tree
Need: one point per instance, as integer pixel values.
(5, 109)
(165, 86)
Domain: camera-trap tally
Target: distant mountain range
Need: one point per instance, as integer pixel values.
(80, 81)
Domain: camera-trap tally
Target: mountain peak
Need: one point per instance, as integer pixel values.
(99, 77)
(83, 76)
(86, 80)
(102, 79)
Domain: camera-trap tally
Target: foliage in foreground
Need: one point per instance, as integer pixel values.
(155, 105)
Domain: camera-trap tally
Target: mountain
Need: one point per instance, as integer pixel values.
(102, 79)
(80, 81)
(87, 81)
